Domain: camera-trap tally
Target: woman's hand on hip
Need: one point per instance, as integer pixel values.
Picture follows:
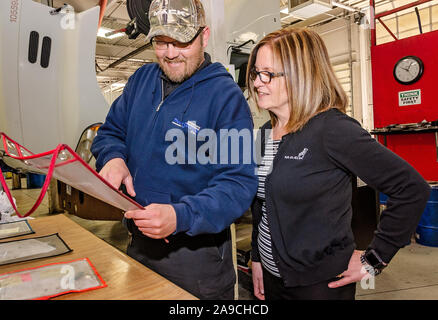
(355, 272)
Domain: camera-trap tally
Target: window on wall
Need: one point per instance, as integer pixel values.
(343, 74)
(404, 24)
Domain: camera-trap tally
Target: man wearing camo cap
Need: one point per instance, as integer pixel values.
(190, 204)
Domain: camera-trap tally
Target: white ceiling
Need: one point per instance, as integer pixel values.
(116, 17)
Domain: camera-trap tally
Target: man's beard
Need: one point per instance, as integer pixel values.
(190, 67)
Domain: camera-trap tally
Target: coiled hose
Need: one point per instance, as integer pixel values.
(140, 9)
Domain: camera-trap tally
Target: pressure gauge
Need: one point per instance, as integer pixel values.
(408, 70)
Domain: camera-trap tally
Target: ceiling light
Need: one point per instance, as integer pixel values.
(102, 31)
(118, 85)
(343, 6)
(114, 87)
(307, 9)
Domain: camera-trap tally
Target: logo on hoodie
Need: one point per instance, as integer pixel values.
(190, 125)
(300, 156)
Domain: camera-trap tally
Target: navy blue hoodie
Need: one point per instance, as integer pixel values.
(207, 197)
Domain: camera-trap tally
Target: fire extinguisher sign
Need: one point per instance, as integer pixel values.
(409, 98)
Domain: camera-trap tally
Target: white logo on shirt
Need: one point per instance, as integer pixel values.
(300, 156)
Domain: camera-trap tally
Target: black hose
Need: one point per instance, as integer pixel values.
(419, 20)
(140, 9)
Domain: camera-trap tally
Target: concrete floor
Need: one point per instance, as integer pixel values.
(411, 275)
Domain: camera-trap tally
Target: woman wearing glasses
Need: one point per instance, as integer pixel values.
(302, 243)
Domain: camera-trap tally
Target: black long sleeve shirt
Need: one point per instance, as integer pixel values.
(308, 198)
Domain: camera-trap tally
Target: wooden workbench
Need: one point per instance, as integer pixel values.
(126, 278)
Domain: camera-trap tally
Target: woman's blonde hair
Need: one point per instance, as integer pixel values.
(311, 83)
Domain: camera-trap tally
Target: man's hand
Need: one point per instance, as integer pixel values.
(354, 273)
(156, 221)
(116, 172)
(257, 280)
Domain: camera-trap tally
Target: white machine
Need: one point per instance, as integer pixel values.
(246, 23)
(48, 88)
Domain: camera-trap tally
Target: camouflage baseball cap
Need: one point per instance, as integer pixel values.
(176, 19)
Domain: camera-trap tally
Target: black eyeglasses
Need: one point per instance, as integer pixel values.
(264, 76)
(163, 45)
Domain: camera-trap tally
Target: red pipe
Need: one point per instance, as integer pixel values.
(108, 34)
(102, 5)
(387, 29)
(407, 6)
(373, 23)
(387, 13)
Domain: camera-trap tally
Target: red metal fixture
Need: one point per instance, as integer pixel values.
(418, 146)
(387, 13)
(102, 5)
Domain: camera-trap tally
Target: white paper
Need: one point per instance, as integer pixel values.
(20, 249)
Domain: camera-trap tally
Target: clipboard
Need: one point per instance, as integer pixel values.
(64, 164)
